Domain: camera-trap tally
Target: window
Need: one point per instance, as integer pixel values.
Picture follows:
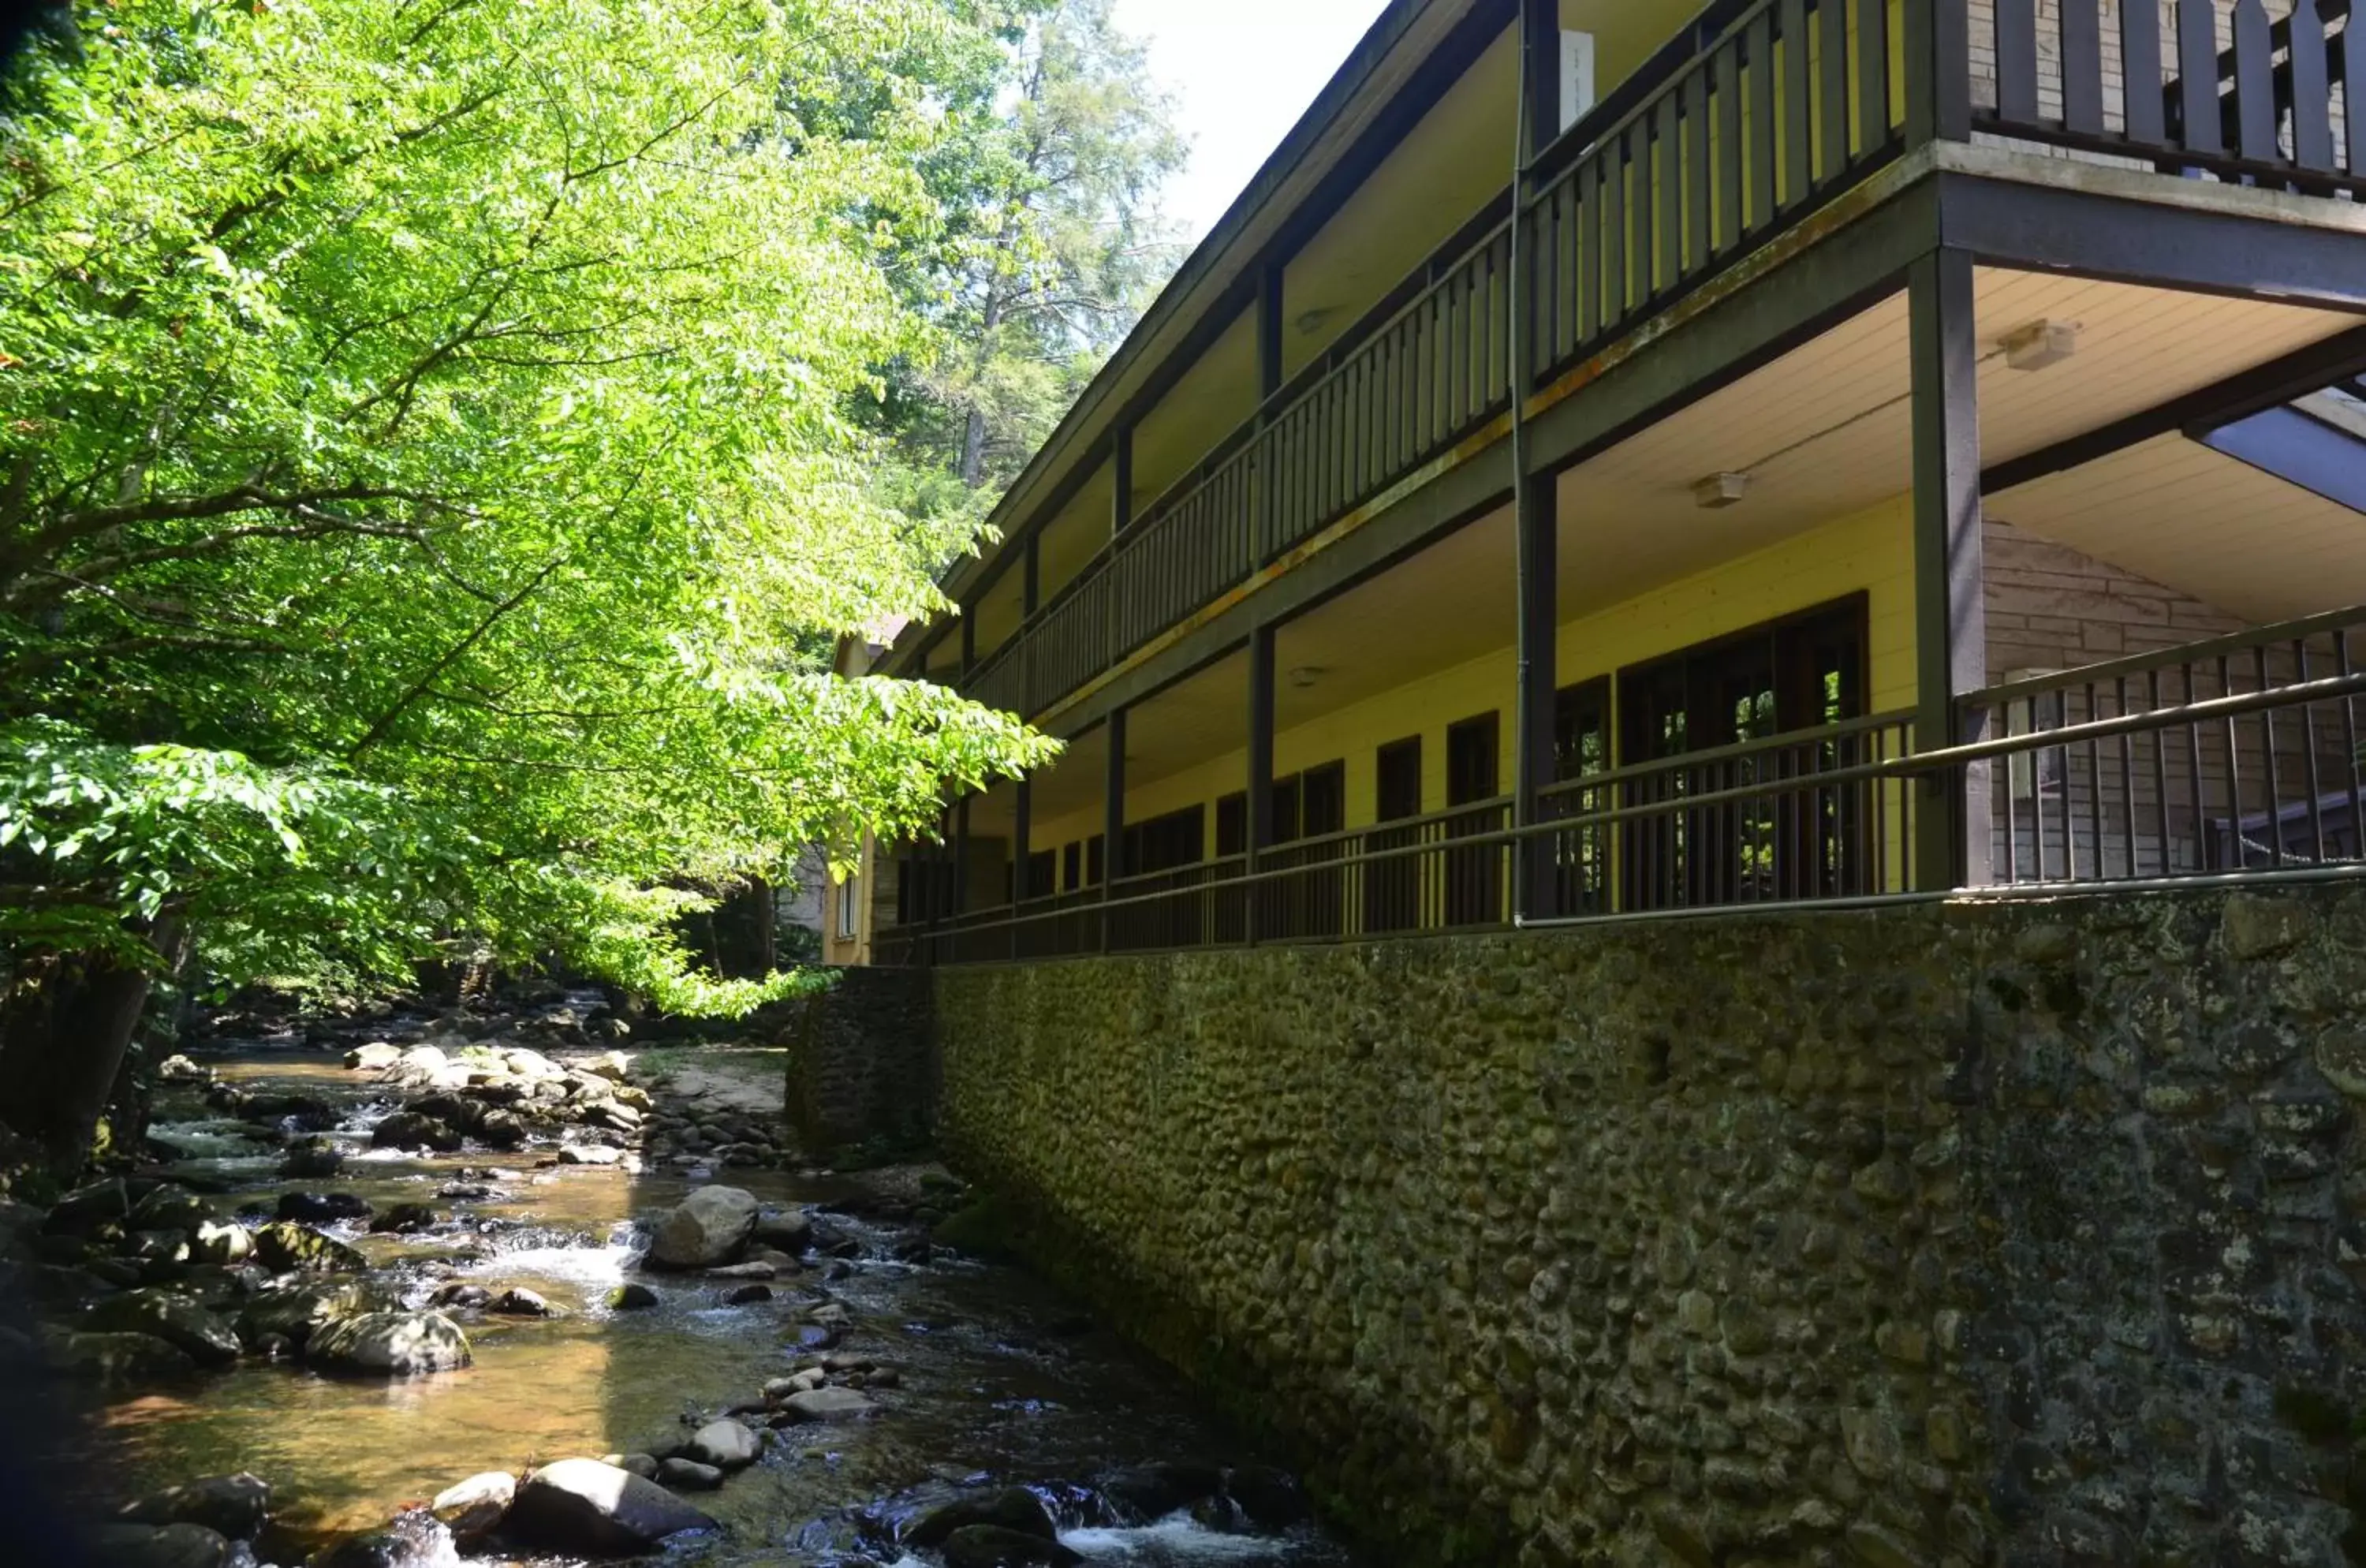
(1581, 862)
(1072, 867)
(1798, 673)
(849, 908)
(1392, 886)
(1474, 877)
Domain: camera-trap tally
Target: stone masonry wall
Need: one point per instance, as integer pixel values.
(1944, 1235)
(861, 1065)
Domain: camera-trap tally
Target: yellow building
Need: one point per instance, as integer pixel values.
(1866, 450)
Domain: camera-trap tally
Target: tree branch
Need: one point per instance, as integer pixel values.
(458, 651)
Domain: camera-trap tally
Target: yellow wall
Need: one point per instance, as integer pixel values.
(1870, 552)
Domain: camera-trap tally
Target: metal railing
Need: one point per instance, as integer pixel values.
(2240, 757)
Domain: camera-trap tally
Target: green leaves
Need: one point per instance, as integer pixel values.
(434, 466)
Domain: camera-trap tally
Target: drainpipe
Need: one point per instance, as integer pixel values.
(1523, 810)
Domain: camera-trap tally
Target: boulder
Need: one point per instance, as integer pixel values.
(747, 1295)
(169, 1207)
(825, 1405)
(86, 1209)
(589, 1154)
(790, 1230)
(519, 1301)
(312, 1157)
(476, 1505)
(228, 1245)
(423, 1059)
(631, 1298)
(1268, 1498)
(530, 1064)
(1153, 1491)
(726, 1445)
(708, 1228)
(148, 1546)
(315, 1207)
(411, 1130)
(1012, 1508)
(285, 1249)
(374, 1058)
(501, 1130)
(176, 1320)
(122, 1358)
(232, 1505)
(180, 1070)
(294, 1313)
(991, 1546)
(390, 1344)
(643, 1465)
(404, 1218)
(303, 1112)
(460, 1293)
(582, 1505)
(688, 1475)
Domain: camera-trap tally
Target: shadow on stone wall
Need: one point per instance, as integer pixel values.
(1934, 1235)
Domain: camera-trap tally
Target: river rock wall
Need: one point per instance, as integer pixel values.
(861, 1065)
(1946, 1235)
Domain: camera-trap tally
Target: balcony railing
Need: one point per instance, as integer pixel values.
(1752, 117)
(2244, 757)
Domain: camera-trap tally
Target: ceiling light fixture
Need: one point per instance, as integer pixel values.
(1313, 319)
(1305, 676)
(2039, 344)
(1720, 491)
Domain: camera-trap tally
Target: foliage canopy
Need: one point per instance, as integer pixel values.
(438, 446)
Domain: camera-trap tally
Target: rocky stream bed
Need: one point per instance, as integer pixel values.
(419, 1291)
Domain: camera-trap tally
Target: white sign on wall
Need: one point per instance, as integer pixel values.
(1576, 77)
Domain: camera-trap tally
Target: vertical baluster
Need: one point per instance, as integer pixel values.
(2275, 772)
(1726, 177)
(2344, 666)
(2234, 742)
(1762, 79)
(1831, 49)
(2062, 760)
(1666, 206)
(1798, 138)
(2016, 59)
(2095, 795)
(2127, 774)
(1872, 76)
(2012, 806)
(2141, 88)
(2082, 65)
(1696, 167)
(2197, 72)
(1588, 227)
(2254, 84)
(2308, 733)
(2159, 776)
(1614, 232)
(2312, 93)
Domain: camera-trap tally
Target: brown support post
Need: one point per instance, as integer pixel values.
(1259, 815)
(1951, 831)
(1113, 817)
(1536, 498)
(968, 640)
(1264, 480)
(1269, 331)
(961, 858)
(1937, 71)
(1022, 825)
(1030, 581)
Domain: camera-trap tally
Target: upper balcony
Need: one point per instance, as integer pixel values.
(1760, 131)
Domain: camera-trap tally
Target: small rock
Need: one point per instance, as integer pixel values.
(317, 1207)
(374, 1057)
(180, 1070)
(688, 1475)
(825, 1405)
(519, 1301)
(313, 1158)
(410, 1129)
(477, 1505)
(1153, 1491)
(631, 1298)
(284, 1248)
(226, 1244)
(404, 1218)
(643, 1465)
(460, 1293)
(792, 1231)
(2260, 926)
(726, 1445)
(747, 1296)
(589, 1154)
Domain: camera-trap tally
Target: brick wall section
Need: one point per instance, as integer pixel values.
(1939, 1236)
(2050, 607)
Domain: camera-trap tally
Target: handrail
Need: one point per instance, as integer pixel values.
(1817, 735)
(2164, 658)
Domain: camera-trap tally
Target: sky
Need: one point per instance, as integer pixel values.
(1241, 73)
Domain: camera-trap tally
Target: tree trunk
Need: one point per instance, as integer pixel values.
(62, 1039)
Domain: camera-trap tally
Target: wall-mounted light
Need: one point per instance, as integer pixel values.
(1720, 491)
(2039, 344)
(1312, 321)
(1304, 675)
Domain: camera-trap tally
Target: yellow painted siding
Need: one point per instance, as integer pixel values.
(1870, 552)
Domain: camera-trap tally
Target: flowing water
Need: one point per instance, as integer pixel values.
(1002, 1379)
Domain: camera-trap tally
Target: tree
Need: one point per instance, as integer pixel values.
(1055, 243)
(434, 460)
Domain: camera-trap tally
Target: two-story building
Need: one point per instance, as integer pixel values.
(1618, 459)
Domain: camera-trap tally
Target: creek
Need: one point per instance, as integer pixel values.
(990, 1378)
